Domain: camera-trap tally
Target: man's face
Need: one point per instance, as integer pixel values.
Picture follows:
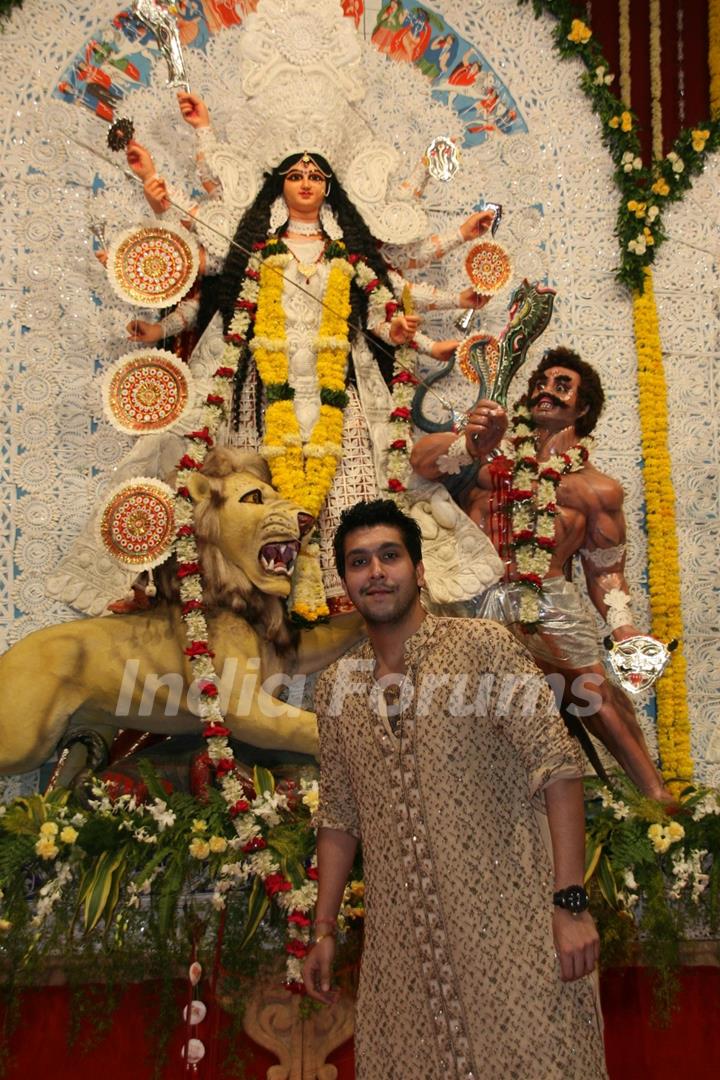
(380, 578)
(554, 399)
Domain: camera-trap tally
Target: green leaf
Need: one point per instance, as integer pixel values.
(606, 881)
(99, 887)
(263, 780)
(593, 851)
(172, 882)
(257, 906)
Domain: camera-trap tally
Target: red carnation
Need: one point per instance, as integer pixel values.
(299, 919)
(215, 399)
(187, 462)
(208, 689)
(551, 474)
(522, 536)
(403, 377)
(391, 309)
(519, 494)
(191, 605)
(203, 435)
(235, 339)
(354, 258)
(258, 245)
(184, 492)
(312, 873)
(240, 807)
(296, 948)
(546, 542)
(245, 305)
(399, 444)
(371, 285)
(185, 530)
(224, 766)
(532, 579)
(401, 413)
(216, 731)
(396, 485)
(224, 373)
(275, 883)
(256, 844)
(198, 648)
(186, 569)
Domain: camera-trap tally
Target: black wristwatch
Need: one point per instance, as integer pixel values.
(573, 899)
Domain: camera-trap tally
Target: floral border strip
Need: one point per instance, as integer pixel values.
(673, 722)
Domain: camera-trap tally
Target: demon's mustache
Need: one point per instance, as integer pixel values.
(549, 397)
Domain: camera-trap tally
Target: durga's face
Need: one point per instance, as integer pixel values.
(304, 189)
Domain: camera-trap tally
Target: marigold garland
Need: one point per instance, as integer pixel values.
(714, 55)
(301, 471)
(673, 726)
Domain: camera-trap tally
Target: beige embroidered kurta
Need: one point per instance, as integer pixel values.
(459, 977)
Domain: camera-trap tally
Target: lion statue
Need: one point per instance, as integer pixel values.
(130, 671)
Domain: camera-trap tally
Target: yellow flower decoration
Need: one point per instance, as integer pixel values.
(649, 238)
(49, 828)
(579, 32)
(699, 137)
(46, 848)
(673, 724)
(300, 472)
(68, 835)
(199, 848)
(661, 187)
(217, 844)
(199, 825)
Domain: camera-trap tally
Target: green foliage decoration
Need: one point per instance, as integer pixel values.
(651, 876)
(7, 7)
(645, 190)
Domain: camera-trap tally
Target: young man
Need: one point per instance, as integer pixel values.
(442, 750)
(564, 399)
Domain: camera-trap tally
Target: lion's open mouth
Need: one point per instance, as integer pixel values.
(279, 558)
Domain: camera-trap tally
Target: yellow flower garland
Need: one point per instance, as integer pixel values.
(714, 55)
(673, 726)
(302, 472)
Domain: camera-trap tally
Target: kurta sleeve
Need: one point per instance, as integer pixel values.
(337, 808)
(523, 706)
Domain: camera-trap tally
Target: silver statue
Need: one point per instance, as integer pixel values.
(161, 23)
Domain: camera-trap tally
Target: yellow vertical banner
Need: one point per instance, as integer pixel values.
(673, 725)
(714, 55)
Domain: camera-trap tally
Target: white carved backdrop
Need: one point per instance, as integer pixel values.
(63, 325)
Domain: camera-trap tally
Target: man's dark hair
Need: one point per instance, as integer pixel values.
(590, 394)
(365, 515)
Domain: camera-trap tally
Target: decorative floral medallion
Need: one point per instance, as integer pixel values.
(137, 523)
(153, 266)
(488, 266)
(489, 354)
(146, 391)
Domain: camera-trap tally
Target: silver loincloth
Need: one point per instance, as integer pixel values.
(568, 636)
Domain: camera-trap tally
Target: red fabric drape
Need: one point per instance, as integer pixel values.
(685, 67)
(689, 1047)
